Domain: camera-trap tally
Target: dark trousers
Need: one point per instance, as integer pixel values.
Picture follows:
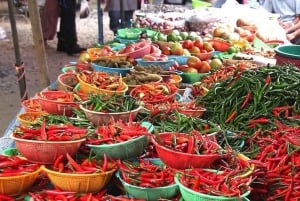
(115, 22)
(67, 29)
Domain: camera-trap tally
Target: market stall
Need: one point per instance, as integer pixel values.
(167, 111)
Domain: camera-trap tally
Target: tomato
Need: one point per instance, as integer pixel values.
(190, 70)
(166, 50)
(194, 50)
(205, 67)
(199, 43)
(188, 44)
(149, 57)
(193, 62)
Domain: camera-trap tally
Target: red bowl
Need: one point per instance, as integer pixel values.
(56, 107)
(220, 45)
(179, 160)
(31, 105)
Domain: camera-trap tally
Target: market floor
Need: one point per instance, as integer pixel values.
(10, 105)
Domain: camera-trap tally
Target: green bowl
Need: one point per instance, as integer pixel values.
(149, 194)
(11, 152)
(191, 78)
(191, 195)
(291, 51)
(123, 150)
(129, 33)
(200, 4)
(287, 54)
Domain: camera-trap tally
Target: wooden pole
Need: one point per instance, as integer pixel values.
(19, 65)
(37, 35)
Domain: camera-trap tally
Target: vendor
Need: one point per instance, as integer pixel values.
(289, 11)
(115, 15)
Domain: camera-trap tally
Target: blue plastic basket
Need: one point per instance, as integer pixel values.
(181, 59)
(165, 65)
(122, 71)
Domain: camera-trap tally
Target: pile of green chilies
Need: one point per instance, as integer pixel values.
(247, 101)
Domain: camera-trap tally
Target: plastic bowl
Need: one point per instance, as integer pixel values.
(123, 150)
(17, 185)
(200, 4)
(142, 48)
(67, 81)
(100, 118)
(45, 152)
(119, 71)
(149, 194)
(79, 183)
(179, 160)
(54, 106)
(191, 195)
(30, 118)
(191, 78)
(166, 98)
(180, 59)
(87, 88)
(31, 105)
(165, 65)
(288, 54)
(129, 33)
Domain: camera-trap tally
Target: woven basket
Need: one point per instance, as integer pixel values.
(16, 185)
(45, 152)
(80, 183)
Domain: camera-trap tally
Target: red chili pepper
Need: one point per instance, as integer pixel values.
(231, 117)
(105, 163)
(268, 79)
(246, 100)
(74, 164)
(191, 144)
(43, 130)
(57, 161)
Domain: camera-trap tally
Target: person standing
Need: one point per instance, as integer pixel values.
(115, 15)
(49, 19)
(289, 11)
(67, 35)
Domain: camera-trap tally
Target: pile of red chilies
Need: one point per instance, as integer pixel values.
(277, 164)
(146, 174)
(51, 132)
(116, 132)
(217, 183)
(14, 165)
(87, 166)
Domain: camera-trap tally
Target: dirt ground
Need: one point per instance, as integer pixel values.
(87, 30)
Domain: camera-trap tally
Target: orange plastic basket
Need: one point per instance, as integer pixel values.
(29, 118)
(45, 152)
(92, 89)
(80, 183)
(16, 185)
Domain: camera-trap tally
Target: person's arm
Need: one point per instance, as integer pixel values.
(295, 26)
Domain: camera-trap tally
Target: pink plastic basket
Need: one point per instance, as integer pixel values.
(45, 152)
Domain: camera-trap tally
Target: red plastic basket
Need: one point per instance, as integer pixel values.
(145, 47)
(54, 106)
(179, 160)
(45, 152)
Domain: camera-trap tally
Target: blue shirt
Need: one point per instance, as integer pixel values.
(287, 9)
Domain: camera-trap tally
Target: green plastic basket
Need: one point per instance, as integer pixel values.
(191, 195)
(149, 194)
(200, 4)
